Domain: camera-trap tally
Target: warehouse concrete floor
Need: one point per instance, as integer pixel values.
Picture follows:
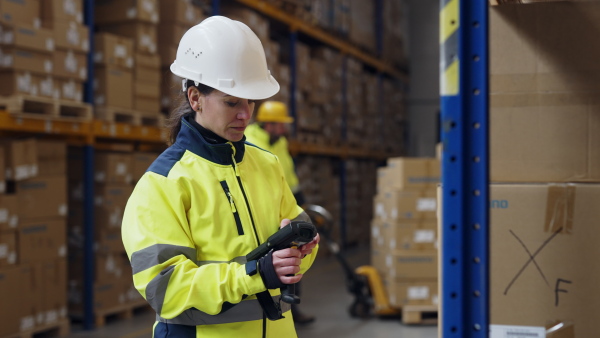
(324, 295)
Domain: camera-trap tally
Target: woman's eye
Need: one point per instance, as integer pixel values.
(231, 104)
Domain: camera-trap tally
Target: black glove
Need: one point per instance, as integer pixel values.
(267, 272)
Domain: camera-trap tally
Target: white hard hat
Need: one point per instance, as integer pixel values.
(226, 55)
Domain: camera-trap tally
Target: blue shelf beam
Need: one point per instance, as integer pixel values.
(465, 168)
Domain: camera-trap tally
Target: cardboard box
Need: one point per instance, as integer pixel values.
(20, 59)
(412, 235)
(423, 292)
(42, 240)
(110, 202)
(107, 295)
(52, 157)
(147, 104)
(10, 291)
(112, 11)
(113, 87)
(107, 266)
(106, 240)
(168, 54)
(70, 64)
(113, 167)
(147, 69)
(543, 242)
(27, 37)
(20, 12)
(144, 35)
(412, 265)
(170, 33)
(54, 295)
(180, 12)
(42, 197)
(405, 204)
(141, 161)
(113, 50)
(407, 173)
(8, 248)
(31, 298)
(20, 158)
(72, 35)
(25, 82)
(70, 89)
(9, 212)
(150, 90)
(61, 11)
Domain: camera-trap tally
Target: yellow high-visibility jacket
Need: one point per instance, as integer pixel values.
(192, 218)
(258, 136)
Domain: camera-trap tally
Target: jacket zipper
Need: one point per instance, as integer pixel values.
(236, 215)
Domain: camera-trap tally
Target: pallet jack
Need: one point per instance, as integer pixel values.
(364, 282)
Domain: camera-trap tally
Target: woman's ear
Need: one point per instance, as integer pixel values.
(195, 98)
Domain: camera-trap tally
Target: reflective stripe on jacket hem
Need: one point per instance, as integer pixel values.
(245, 311)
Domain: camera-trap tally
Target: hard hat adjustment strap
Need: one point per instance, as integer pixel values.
(184, 84)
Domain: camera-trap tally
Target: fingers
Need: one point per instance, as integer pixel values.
(284, 222)
(290, 279)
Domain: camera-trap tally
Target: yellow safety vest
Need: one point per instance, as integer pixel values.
(258, 136)
(192, 218)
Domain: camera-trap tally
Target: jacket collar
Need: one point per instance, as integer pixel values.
(190, 138)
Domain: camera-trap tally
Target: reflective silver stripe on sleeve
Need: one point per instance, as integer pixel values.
(158, 254)
(245, 311)
(157, 288)
(240, 260)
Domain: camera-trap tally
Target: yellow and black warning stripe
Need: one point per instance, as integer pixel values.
(449, 63)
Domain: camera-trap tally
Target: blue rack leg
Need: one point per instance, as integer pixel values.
(465, 178)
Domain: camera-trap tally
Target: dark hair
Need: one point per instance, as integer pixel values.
(173, 123)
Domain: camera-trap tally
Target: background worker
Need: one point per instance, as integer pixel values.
(269, 132)
(202, 205)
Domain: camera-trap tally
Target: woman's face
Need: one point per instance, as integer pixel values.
(225, 115)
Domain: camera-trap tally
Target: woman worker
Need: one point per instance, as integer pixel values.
(211, 198)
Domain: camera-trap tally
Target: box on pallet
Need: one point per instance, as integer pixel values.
(404, 265)
(147, 71)
(9, 212)
(17, 82)
(11, 289)
(71, 35)
(21, 59)
(541, 271)
(111, 200)
(106, 239)
(169, 34)
(113, 167)
(27, 37)
(141, 162)
(42, 197)
(113, 87)
(407, 172)
(69, 89)
(51, 157)
(20, 159)
(8, 248)
(180, 12)
(41, 240)
(405, 204)
(253, 19)
(144, 35)
(20, 12)
(112, 11)
(108, 266)
(402, 234)
(54, 294)
(61, 11)
(113, 50)
(70, 64)
(422, 292)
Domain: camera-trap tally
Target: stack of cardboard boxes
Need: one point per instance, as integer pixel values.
(33, 245)
(137, 87)
(544, 169)
(115, 175)
(176, 17)
(403, 231)
(43, 48)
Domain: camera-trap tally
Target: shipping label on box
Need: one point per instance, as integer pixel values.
(20, 158)
(407, 204)
(113, 167)
(412, 264)
(70, 89)
(27, 37)
(42, 197)
(543, 240)
(113, 50)
(71, 35)
(9, 209)
(423, 292)
(412, 235)
(113, 11)
(43, 240)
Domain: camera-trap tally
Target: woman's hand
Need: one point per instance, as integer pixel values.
(287, 261)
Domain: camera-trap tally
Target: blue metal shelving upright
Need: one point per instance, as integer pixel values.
(465, 178)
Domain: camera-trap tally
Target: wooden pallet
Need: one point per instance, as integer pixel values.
(121, 312)
(129, 116)
(59, 329)
(43, 107)
(420, 314)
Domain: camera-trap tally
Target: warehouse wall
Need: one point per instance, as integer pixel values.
(423, 99)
